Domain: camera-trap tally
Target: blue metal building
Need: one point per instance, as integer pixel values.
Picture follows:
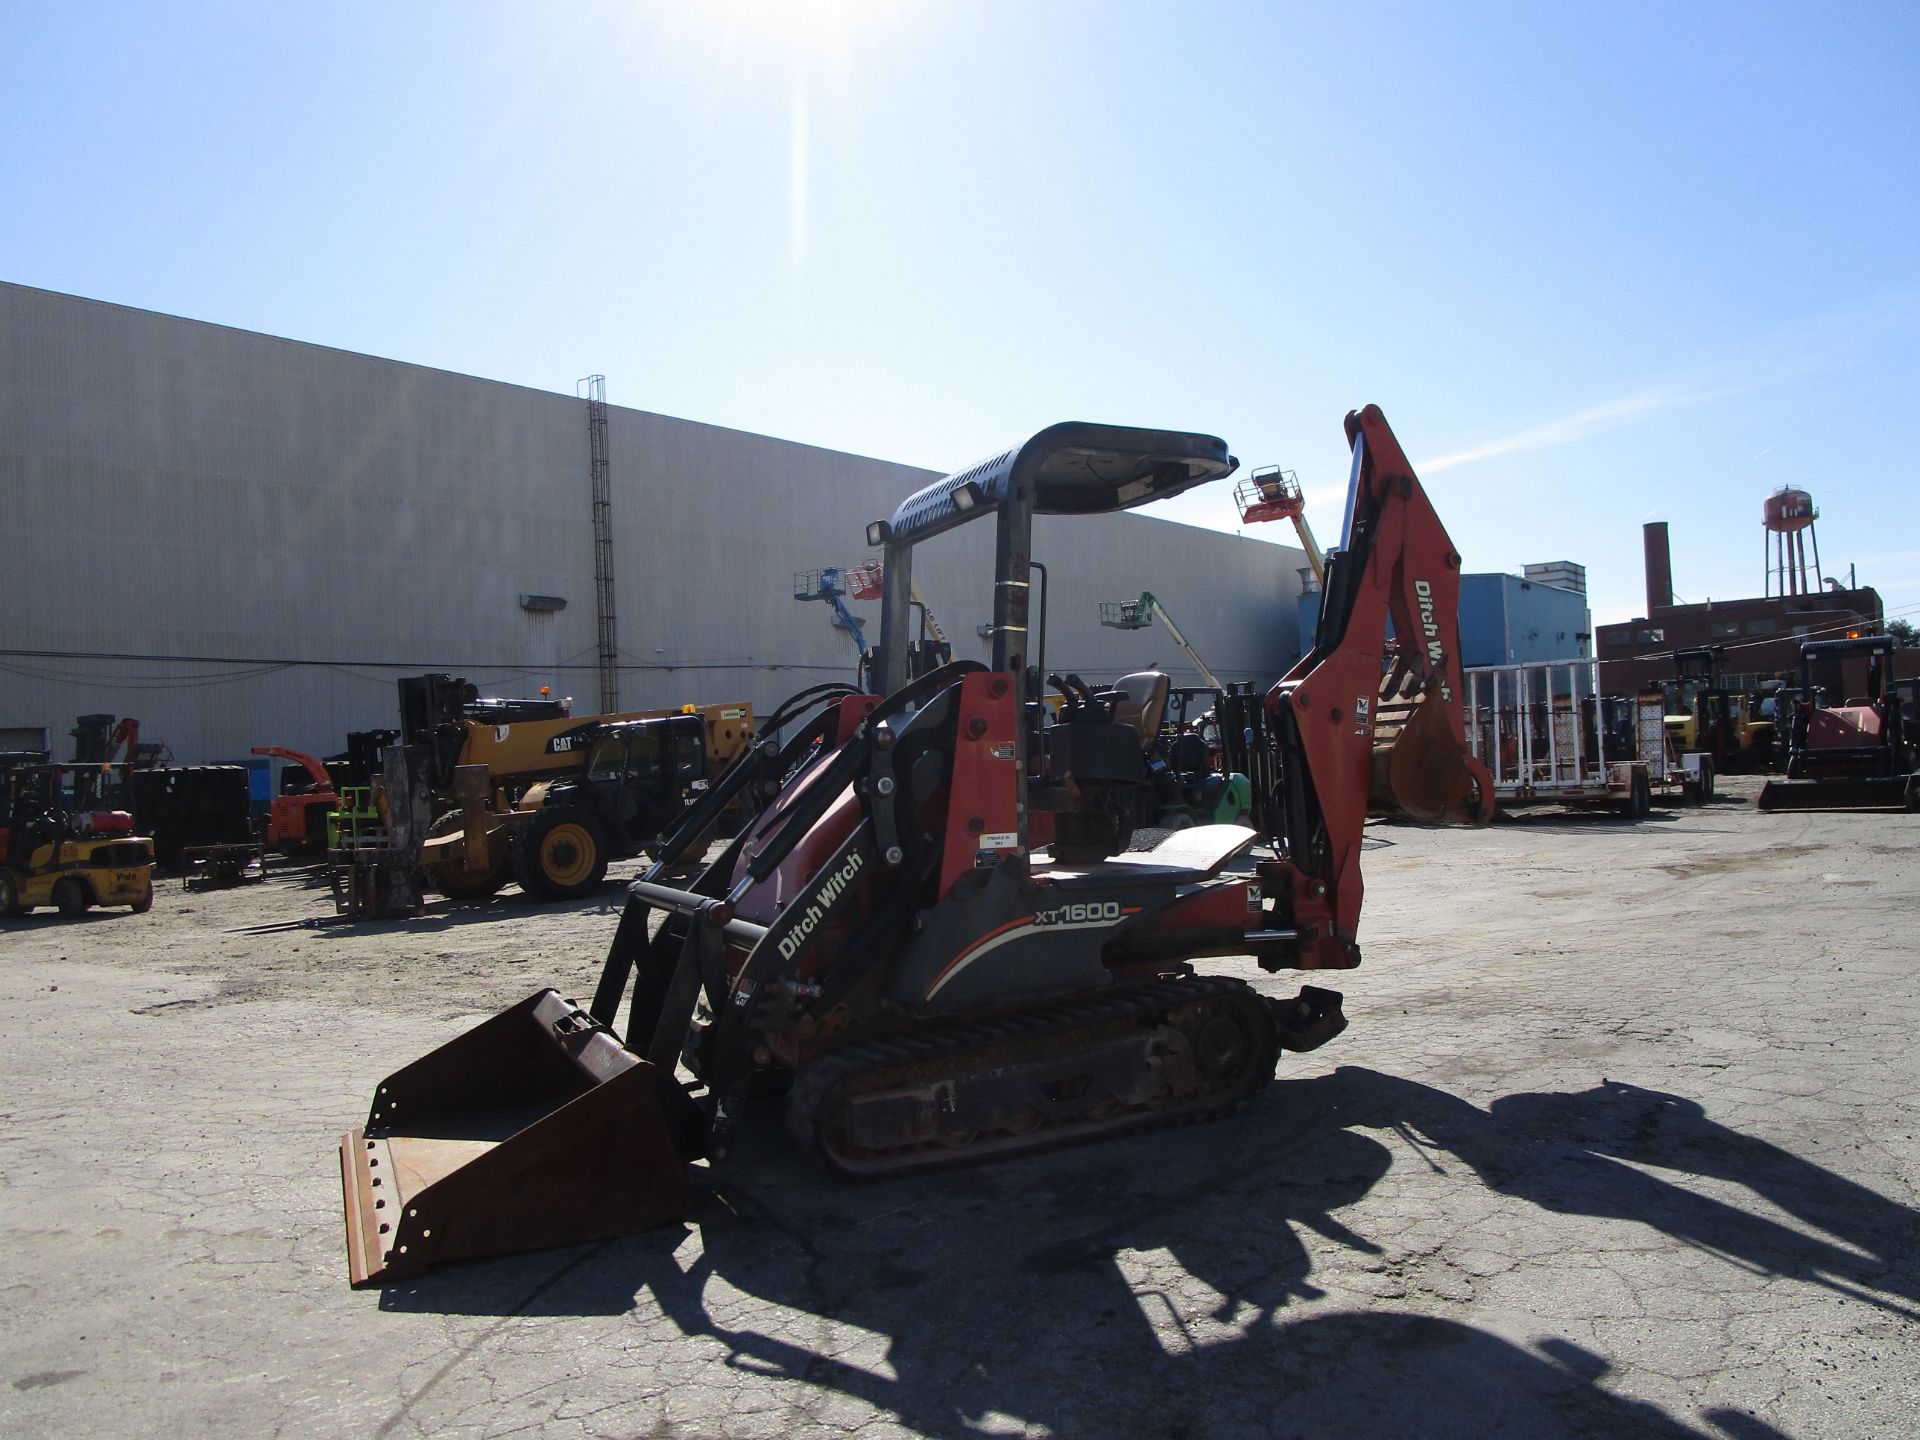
(1507, 619)
(1511, 620)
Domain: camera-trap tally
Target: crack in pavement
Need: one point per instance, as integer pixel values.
(461, 1355)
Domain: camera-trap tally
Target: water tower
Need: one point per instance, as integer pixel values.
(1788, 528)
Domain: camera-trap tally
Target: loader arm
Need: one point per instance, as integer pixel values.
(1396, 563)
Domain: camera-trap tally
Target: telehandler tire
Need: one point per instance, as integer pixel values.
(560, 854)
(454, 880)
(72, 898)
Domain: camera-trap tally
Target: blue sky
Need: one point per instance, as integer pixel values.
(1600, 264)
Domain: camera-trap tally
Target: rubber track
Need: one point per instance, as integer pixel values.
(818, 1082)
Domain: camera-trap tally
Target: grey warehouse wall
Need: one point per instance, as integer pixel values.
(244, 540)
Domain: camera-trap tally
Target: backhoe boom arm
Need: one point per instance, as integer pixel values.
(1396, 563)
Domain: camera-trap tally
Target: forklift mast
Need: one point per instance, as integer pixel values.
(1700, 662)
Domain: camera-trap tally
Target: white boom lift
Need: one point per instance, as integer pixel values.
(1139, 614)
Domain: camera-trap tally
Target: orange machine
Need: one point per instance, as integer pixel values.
(297, 819)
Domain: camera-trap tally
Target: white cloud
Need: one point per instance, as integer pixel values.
(1581, 423)
(1816, 343)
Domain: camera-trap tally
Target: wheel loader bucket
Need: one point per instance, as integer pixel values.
(537, 1128)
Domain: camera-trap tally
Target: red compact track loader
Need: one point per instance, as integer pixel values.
(1855, 755)
(931, 937)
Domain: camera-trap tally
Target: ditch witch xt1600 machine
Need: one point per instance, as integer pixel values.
(931, 938)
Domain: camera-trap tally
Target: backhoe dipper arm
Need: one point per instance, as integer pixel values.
(1396, 562)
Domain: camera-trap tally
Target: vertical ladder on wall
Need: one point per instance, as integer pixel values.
(594, 387)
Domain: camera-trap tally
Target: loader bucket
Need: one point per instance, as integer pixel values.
(1431, 775)
(1883, 792)
(537, 1128)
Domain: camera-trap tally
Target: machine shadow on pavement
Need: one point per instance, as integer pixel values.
(50, 919)
(1034, 1291)
(1549, 819)
(443, 914)
(1575, 1154)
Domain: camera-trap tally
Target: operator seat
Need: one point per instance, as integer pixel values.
(1145, 705)
(1190, 756)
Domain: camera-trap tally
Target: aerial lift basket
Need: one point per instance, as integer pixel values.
(1269, 493)
(818, 584)
(538, 1128)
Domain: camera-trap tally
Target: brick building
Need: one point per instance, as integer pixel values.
(1761, 635)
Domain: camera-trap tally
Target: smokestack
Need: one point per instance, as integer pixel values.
(1659, 567)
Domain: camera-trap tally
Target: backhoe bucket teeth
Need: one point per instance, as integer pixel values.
(1431, 775)
(537, 1128)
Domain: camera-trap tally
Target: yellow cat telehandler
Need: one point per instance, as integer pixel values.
(548, 798)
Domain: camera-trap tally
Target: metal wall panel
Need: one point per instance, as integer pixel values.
(181, 496)
(1507, 620)
(1485, 635)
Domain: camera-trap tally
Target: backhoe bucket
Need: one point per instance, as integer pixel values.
(1882, 792)
(537, 1128)
(1431, 775)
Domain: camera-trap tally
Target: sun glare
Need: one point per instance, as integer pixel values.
(812, 42)
(824, 28)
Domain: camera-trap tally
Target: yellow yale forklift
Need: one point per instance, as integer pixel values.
(63, 845)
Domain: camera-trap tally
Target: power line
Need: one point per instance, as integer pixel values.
(143, 682)
(254, 667)
(1807, 634)
(261, 665)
